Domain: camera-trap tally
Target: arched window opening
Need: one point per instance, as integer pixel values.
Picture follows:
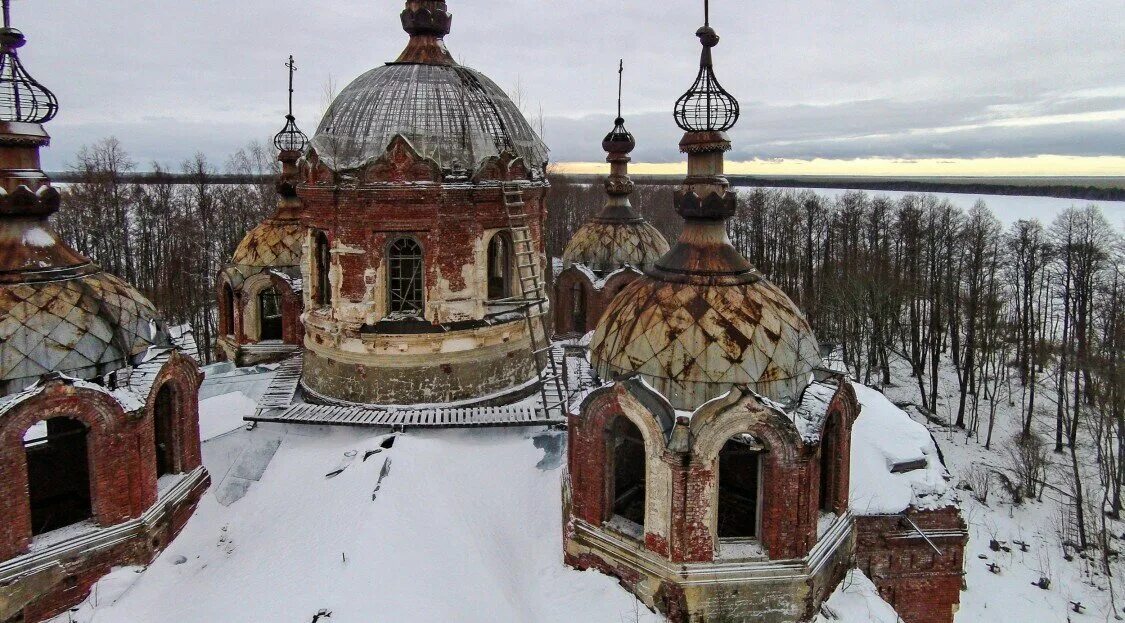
(627, 451)
(578, 308)
(405, 283)
(500, 267)
(828, 470)
(58, 474)
(228, 309)
(739, 488)
(164, 422)
(321, 265)
(270, 315)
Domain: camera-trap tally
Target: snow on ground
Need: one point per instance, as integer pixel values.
(464, 526)
(1009, 595)
(856, 600)
(222, 414)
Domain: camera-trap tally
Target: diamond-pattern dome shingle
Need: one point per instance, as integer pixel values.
(693, 342)
(606, 247)
(85, 327)
(270, 245)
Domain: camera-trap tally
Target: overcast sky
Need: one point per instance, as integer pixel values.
(818, 79)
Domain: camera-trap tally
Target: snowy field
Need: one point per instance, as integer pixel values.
(1007, 208)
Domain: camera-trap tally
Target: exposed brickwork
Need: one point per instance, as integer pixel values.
(923, 587)
(682, 480)
(121, 455)
(596, 298)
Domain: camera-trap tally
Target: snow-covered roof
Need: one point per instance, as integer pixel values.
(883, 437)
(856, 600)
(812, 410)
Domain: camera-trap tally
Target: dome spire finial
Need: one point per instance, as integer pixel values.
(290, 141)
(707, 106)
(427, 22)
(22, 98)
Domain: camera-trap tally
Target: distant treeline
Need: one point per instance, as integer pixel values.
(166, 177)
(975, 187)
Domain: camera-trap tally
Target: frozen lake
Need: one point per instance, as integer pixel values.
(1007, 208)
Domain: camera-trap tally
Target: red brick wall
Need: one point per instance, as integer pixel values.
(447, 221)
(922, 586)
(596, 300)
(121, 456)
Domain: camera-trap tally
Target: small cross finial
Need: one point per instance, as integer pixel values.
(292, 65)
(620, 82)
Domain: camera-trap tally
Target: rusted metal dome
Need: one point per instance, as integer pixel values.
(606, 247)
(693, 342)
(59, 312)
(273, 244)
(452, 114)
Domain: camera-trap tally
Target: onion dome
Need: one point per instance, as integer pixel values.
(277, 242)
(449, 113)
(617, 236)
(702, 319)
(59, 312)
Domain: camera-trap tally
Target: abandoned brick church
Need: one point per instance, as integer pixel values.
(403, 282)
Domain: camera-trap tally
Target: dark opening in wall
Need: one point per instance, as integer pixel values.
(739, 487)
(627, 449)
(322, 263)
(58, 474)
(164, 418)
(500, 267)
(578, 308)
(270, 315)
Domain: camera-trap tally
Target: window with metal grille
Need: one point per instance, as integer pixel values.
(407, 294)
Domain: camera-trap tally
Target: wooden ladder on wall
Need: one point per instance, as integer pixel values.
(532, 290)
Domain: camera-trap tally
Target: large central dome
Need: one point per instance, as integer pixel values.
(452, 114)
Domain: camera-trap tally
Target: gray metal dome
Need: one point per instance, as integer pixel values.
(449, 113)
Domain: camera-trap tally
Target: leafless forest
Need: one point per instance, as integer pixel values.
(1030, 317)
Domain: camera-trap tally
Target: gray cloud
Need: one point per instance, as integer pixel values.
(817, 78)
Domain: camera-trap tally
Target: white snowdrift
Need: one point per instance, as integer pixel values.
(884, 435)
(222, 414)
(856, 600)
(464, 527)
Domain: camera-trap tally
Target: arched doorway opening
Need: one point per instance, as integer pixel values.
(405, 285)
(322, 263)
(500, 267)
(740, 467)
(58, 474)
(164, 423)
(627, 472)
(270, 315)
(578, 308)
(228, 309)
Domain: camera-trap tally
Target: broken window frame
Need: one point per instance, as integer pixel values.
(406, 283)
